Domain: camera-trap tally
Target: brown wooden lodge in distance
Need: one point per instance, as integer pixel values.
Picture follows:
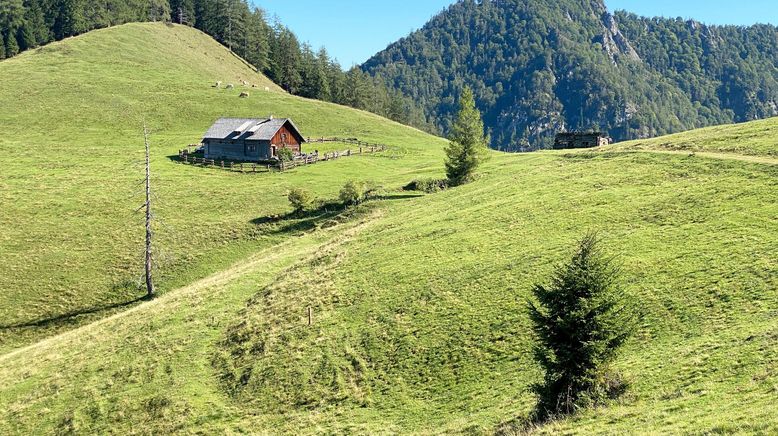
(251, 139)
(567, 140)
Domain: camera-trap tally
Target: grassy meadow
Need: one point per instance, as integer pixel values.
(419, 302)
(73, 146)
(757, 138)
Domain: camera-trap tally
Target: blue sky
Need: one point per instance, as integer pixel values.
(354, 30)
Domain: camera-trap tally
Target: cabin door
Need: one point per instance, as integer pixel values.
(272, 151)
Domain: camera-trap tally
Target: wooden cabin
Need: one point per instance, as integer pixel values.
(251, 139)
(580, 140)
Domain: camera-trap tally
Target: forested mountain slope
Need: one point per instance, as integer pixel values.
(538, 67)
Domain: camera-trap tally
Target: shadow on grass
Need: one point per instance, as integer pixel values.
(324, 215)
(65, 317)
(302, 221)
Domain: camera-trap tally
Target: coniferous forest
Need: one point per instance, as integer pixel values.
(270, 46)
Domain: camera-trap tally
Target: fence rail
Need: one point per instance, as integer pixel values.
(361, 147)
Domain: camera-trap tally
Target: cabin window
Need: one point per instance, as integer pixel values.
(252, 149)
(283, 138)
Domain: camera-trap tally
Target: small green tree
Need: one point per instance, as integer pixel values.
(285, 154)
(468, 144)
(352, 193)
(580, 324)
(11, 45)
(300, 199)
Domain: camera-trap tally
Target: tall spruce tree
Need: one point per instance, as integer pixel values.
(2, 47)
(11, 45)
(321, 75)
(183, 12)
(70, 19)
(26, 37)
(467, 143)
(258, 35)
(580, 322)
(11, 19)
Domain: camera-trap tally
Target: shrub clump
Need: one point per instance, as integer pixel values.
(354, 193)
(427, 185)
(285, 154)
(300, 199)
(580, 322)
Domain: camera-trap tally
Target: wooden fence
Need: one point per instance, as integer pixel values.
(360, 147)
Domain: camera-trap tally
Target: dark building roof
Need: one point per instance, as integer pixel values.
(250, 129)
(579, 135)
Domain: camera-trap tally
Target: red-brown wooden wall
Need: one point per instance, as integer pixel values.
(284, 137)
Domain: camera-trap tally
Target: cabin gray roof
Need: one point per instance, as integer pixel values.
(251, 129)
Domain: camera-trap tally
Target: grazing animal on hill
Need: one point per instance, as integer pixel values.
(244, 95)
(230, 86)
(217, 85)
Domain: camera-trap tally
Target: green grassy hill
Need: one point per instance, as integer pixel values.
(757, 138)
(419, 302)
(72, 146)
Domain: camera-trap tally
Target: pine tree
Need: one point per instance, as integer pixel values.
(468, 144)
(356, 90)
(70, 20)
(2, 47)
(306, 67)
(258, 44)
(204, 11)
(11, 45)
(321, 75)
(336, 80)
(25, 37)
(36, 22)
(11, 18)
(580, 324)
(288, 61)
(183, 12)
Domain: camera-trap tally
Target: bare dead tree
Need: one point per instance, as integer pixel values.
(148, 264)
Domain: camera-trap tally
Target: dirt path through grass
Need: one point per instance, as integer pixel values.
(710, 155)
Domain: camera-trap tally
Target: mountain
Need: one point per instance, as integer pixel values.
(419, 302)
(538, 67)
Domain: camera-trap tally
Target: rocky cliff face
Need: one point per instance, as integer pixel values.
(614, 42)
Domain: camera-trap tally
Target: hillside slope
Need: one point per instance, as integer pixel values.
(419, 301)
(758, 138)
(72, 145)
(420, 321)
(538, 67)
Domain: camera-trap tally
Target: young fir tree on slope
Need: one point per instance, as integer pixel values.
(581, 324)
(468, 146)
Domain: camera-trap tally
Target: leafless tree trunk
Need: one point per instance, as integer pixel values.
(149, 233)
